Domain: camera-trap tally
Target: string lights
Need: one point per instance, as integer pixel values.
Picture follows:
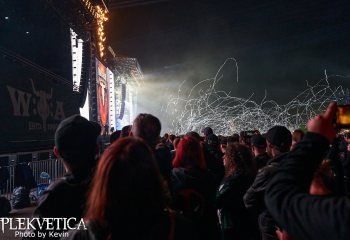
(100, 14)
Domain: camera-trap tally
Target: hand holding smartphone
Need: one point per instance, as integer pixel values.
(342, 118)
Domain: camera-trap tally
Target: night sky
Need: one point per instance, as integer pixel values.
(278, 44)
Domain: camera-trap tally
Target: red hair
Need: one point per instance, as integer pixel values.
(189, 154)
(126, 185)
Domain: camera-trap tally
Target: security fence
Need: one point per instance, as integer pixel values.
(33, 169)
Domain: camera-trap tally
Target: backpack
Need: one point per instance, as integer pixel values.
(20, 198)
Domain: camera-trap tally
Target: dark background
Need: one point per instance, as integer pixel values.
(279, 45)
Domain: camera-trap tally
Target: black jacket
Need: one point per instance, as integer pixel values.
(287, 199)
(203, 182)
(254, 198)
(64, 198)
(235, 220)
(198, 179)
(215, 164)
(164, 160)
(261, 160)
(166, 227)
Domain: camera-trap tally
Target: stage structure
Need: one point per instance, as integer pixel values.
(128, 78)
(47, 53)
(54, 62)
(114, 79)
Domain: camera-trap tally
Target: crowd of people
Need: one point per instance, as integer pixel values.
(275, 185)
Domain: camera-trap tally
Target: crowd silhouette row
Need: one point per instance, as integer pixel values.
(274, 185)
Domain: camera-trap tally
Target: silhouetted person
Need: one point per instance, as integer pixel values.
(148, 127)
(76, 147)
(235, 220)
(115, 136)
(304, 216)
(126, 200)
(193, 185)
(278, 140)
(214, 158)
(258, 145)
(297, 136)
(125, 131)
(206, 132)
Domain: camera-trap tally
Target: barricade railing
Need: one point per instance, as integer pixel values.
(42, 161)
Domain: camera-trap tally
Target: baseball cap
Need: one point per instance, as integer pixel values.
(76, 133)
(258, 141)
(207, 131)
(279, 136)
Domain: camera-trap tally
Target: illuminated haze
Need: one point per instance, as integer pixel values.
(279, 45)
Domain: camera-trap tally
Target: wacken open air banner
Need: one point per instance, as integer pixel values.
(32, 104)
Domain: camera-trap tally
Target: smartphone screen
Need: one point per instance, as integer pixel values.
(343, 116)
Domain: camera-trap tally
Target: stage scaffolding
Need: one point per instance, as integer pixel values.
(128, 78)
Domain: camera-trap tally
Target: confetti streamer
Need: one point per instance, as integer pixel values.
(205, 105)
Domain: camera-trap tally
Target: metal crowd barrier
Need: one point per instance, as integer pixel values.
(43, 161)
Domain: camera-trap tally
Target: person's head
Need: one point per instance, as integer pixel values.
(171, 138)
(176, 142)
(189, 154)
(126, 188)
(297, 136)
(223, 144)
(324, 181)
(166, 136)
(212, 142)
(125, 131)
(258, 144)
(278, 139)
(245, 137)
(257, 132)
(234, 138)
(347, 137)
(115, 136)
(75, 143)
(147, 127)
(238, 158)
(194, 135)
(207, 131)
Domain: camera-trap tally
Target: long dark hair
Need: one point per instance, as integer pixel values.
(126, 190)
(238, 158)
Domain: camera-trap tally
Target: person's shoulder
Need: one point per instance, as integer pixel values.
(61, 188)
(239, 179)
(54, 190)
(65, 184)
(93, 231)
(266, 169)
(79, 235)
(263, 157)
(162, 149)
(275, 161)
(263, 175)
